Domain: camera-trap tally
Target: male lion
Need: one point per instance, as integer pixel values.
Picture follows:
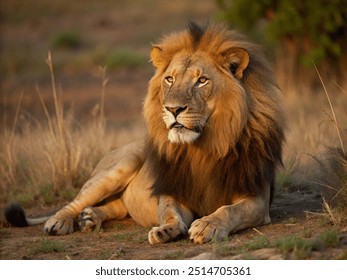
(207, 165)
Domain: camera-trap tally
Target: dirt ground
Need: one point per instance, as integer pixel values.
(297, 212)
(292, 214)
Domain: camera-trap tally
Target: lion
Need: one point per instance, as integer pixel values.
(206, 167)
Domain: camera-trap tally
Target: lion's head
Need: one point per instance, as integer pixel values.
(213, 101)
(207, 82)
(190, 87)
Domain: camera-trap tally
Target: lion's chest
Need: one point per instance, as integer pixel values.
(203, 191)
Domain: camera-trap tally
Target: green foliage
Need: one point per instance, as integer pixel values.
(47, 193)
(258, 243)
(124, 236)
(330, 238)
(66, 40)
(320, 24)
(243, 13)
(48, 246)
(222, 247)
(25, 198)
(68, 193)
(300, 248)
(124, 58)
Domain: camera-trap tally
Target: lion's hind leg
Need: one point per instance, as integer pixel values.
(111, 176)
(91, 218)
(174, 220)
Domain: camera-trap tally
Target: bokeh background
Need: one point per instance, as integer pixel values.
(60, 113)
(83, 36)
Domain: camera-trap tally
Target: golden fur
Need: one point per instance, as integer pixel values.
(215, 133)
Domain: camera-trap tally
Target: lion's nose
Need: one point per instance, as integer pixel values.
(176, 110)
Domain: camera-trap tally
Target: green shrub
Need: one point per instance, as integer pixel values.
(66, 40)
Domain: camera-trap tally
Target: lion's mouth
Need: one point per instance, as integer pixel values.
(182, 134)
(177, 125)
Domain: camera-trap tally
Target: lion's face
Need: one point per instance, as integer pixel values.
(186, 97)
(190, 89)
(210, 89)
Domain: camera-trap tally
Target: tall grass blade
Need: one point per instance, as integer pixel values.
(332, 111)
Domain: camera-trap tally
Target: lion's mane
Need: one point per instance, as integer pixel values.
(242, 142)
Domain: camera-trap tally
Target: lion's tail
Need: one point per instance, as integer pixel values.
(15, 215)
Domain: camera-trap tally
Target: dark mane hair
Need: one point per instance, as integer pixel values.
(196, 32)
(206, 189)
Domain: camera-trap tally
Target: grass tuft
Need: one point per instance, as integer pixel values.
(66, 40)
(123, 58)
(331, 172)
(329, 238)
(48, 246)
(257, 243)
(298, 247)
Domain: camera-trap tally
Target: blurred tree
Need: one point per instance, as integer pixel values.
(306, 32)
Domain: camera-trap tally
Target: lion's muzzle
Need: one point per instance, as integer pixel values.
(177, 125)
(175, 111)
(182, 128)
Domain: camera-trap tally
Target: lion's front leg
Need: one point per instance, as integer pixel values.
(174, 220)
(249, 212)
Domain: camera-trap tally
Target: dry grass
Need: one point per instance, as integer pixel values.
(311, 129)
(48, 160)
(332, 177)
(333, 172)
(316, 148)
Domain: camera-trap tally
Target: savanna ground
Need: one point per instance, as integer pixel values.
(54, 132)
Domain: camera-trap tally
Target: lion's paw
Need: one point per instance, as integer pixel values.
(166, 233)
(88, 220)
(206, 229)
(58, 226)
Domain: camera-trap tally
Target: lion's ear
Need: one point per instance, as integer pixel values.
(157, 56)
(236, 59)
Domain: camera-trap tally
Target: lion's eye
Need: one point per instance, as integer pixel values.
(202, 81)
(169, 80)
